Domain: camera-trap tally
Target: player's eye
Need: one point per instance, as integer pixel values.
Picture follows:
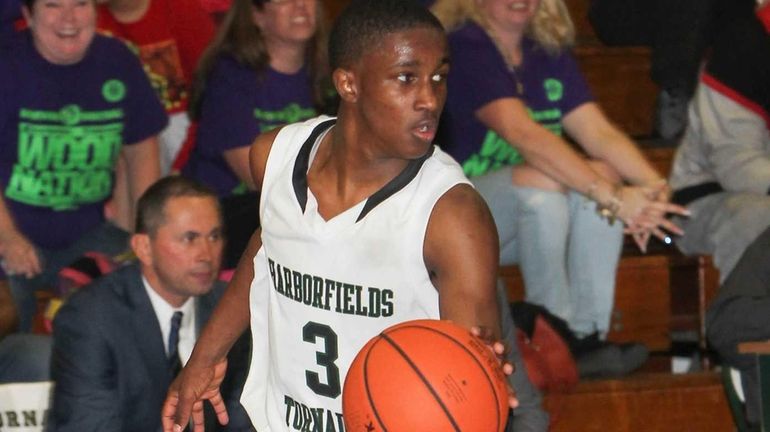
(406, 77)
(439, 77)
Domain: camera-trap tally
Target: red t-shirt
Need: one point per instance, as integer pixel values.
(170, 38)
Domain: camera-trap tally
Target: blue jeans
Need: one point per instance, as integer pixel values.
(106, 238)
(25, 358)
(567, 253)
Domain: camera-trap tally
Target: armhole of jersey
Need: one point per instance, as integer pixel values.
(293, 135)
(452, 177)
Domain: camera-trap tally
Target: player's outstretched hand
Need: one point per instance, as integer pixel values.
(185, 397)
(501, 351)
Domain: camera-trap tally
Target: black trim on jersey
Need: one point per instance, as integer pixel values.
(395, 185)
(301, 165)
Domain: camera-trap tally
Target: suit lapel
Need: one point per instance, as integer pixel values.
(146, 331)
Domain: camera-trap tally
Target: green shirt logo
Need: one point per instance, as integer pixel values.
(554, 89)
(66, 157)
(114, 90)
(291, 113)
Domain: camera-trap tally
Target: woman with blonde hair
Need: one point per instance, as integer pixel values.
(514, 90)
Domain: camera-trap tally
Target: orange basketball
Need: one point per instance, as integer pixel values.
(425, 375)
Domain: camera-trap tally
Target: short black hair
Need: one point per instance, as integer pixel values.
(365, 22)
(152, 204)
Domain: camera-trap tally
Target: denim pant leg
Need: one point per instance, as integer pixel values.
(23, 290)
(542, 230)
(25, 358)
(592, 262)
(497, 190)
(106, 238)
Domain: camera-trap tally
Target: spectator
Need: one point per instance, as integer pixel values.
(361, 200)
(679, 34)
(116, 342)
(73, 103)
(267, 66)
(170, 36)
(721, 171)
(514, 88)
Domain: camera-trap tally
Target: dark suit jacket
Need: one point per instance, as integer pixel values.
(109, 363)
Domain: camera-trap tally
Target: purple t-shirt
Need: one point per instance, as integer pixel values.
(551, 87)
(61, 131)
(10, 11)
(238, 105)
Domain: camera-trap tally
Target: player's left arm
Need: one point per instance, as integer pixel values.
(461, 253)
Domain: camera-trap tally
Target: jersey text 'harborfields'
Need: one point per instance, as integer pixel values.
(329, 294)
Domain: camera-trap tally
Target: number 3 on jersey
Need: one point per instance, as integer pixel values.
(326, 358)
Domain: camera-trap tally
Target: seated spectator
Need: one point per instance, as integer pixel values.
(514, 89)
(72, 104)
(24, 357)
(721, 171)
(119, 342)
(266, 67)
(170, 36)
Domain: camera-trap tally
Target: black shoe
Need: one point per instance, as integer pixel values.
(612, 360)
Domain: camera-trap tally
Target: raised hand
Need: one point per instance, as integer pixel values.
(187, 393)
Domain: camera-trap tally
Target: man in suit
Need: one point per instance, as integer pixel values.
(119, 342)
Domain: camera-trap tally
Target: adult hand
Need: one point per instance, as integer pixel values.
(186, 395)
(645, 210)
(500, 350)
(19, 255)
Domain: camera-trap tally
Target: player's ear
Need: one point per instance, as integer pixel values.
(345, 83)
(140, 244)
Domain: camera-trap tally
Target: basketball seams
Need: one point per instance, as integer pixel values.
(423, 379)
(366, 385)
(424, 363)
(459, 344)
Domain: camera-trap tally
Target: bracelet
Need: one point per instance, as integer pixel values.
(610, 209)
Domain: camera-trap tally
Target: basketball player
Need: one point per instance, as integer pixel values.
(364, 224)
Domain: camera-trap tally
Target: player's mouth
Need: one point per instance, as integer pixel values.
(426, 130)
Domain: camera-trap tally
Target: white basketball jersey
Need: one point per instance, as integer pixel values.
(322, 288)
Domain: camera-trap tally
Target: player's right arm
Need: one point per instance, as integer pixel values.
(203, 373)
